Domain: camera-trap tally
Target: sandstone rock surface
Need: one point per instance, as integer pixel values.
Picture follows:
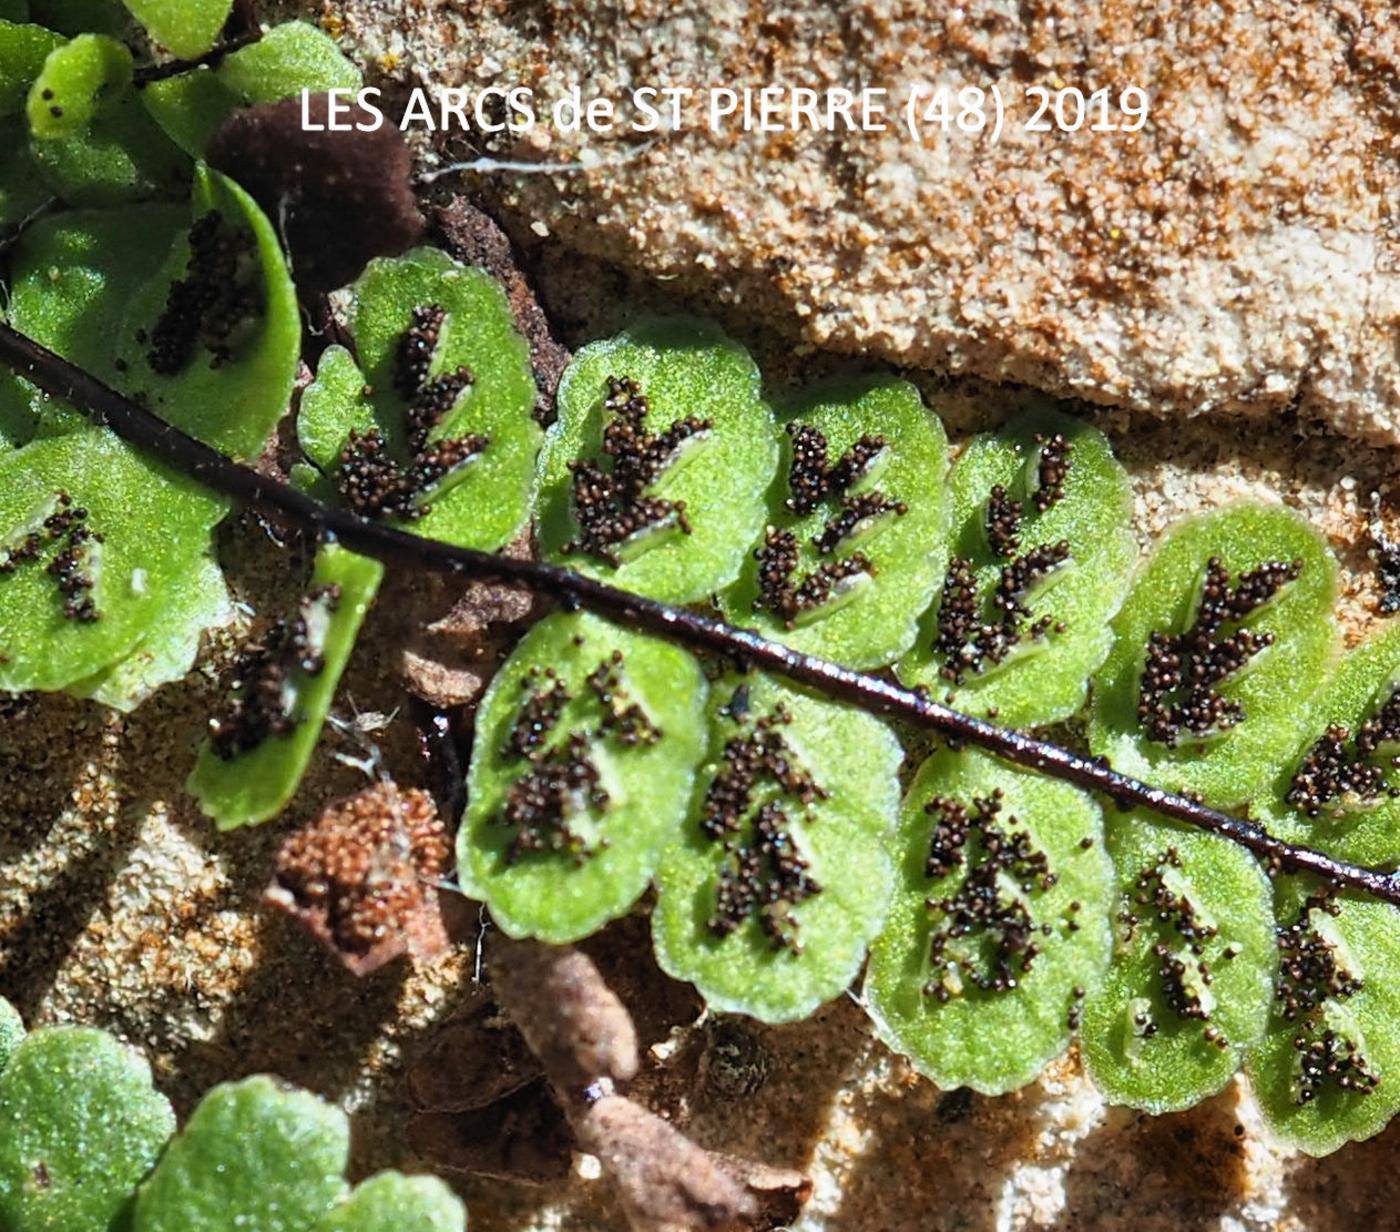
(1240, 253)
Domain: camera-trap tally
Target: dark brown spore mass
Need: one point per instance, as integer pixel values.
(1178, 923)
(1052, 471)
(855, 512)
(764, 874)
(375, 483)
(72, 567)
(1178, 692)
(1331, 772)
(780, 590)
(1312, 973)
(561, 778)
(220, 296)
(256, 708)
(969, 645)
(610, 503)
(1000, 923)
(811, 478)
(344, 197)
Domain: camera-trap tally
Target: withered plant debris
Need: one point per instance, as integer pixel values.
(474, 1060)
(524, 1138)
(669, 1184)
(735, 1062)
(455, 631)
(364, 877)
(1178, 694)
(1312, 973)
(611, 504)
(343, 198)
(585, 1038)
(764, 874)
(259, 705)
(569, 1016)
(215, 304)
(475, 239)
(76, 565)
(1004, 870)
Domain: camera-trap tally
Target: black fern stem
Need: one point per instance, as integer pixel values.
(147, 73)
(146, 430)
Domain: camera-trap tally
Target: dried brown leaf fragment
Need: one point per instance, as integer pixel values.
(341, 198)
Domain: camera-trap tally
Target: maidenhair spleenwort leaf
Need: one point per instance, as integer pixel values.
(64, 98)
(390, 1202)
(585, 752)
(1192, 974)
(72, 277)
(441, 421)
(653, 477)
(1226, 633)
(856, 538)
(23, 49)
(73, 17)
(255, 1155)
(258, 749)
(80, 1126)
(196, 603)
(11, 1032)
(214, 338)
(1327, 1071)
(770, 894)
(120, 157)
(999, 926)
(23, 192)
(83, 576)
(1340, 789)
(187, 28)
(1042, 556)
(288, 59)
(334, 405)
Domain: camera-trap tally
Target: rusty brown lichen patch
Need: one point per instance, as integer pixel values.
(363, 877)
